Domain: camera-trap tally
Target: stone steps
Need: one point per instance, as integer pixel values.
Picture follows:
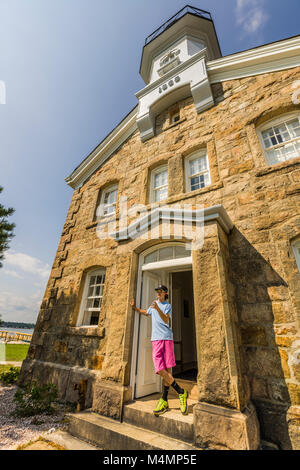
(109, 434)
(172, 423)
(188, 385)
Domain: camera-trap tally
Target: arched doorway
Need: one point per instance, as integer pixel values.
(169, 264)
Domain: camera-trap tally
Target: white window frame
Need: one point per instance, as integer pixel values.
(296, 250)
(100, 211)
(153, 190)
(85, 298)
(170, 263)
(195, 156)
(271, 123)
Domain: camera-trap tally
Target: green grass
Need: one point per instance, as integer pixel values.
(16, 352)
(5, 368)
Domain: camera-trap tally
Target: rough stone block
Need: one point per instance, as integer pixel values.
(108, 399)
(225, 429)
(254, 335)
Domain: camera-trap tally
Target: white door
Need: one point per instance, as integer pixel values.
(147, 382)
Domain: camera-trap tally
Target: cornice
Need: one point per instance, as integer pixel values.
(269, 58)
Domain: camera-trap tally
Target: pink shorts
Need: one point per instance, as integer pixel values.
(163, 355)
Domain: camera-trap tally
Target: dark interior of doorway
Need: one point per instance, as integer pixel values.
(183, 326)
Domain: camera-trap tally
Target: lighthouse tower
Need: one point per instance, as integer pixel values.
(173, 66)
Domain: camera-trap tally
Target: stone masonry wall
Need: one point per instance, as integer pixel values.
(264, 205)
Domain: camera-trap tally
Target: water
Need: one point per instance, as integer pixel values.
(17, 330)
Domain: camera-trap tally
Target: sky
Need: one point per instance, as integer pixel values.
(70, 69)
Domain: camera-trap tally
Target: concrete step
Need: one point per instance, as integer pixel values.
(172, 423)
(188, 385)
(109, 434)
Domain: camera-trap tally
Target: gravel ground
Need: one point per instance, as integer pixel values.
(16, 431)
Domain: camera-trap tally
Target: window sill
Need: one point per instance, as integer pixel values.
(198, 192)
(90, 331)
(279, 166)
(103, 220)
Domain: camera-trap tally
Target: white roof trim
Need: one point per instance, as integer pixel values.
(273, 57)
(270, 58)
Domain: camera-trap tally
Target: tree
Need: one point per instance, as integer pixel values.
(6, 229)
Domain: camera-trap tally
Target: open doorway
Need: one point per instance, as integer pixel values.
(171, 265)
(182, 299)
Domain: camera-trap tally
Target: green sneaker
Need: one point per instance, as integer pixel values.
(161, 407)
(183, 402)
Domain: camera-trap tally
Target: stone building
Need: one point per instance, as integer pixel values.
(212, 131)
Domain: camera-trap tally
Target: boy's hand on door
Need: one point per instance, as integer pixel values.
(132, 303)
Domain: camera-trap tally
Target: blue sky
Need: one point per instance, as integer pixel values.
(71, 71)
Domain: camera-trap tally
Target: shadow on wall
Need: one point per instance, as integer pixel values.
(60, 353)
(265, 363)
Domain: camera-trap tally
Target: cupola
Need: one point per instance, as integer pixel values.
(173, 65)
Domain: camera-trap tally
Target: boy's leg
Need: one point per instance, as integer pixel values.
(166, 387)
(169, 356)
(158, 361)
(168, 379)
(182, 394)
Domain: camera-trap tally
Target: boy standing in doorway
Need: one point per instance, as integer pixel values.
(163, 348)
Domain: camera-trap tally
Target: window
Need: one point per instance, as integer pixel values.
(168, 58)
(159, 184)
(168, 62)
(168, 253)
(296, 249)
(108, 201)
(197, 171)
(92, 298)
(281, 139)
(174, 117)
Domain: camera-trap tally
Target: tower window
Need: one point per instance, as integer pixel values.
(174, 117)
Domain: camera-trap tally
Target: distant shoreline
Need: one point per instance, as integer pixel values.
(16, 325)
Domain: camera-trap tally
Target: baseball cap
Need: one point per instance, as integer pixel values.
(163, 288)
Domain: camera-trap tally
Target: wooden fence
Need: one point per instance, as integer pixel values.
(15, 336)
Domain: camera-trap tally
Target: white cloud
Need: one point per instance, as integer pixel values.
(12, 273)
(27, 263)
(24, 308)
(23, 280)
(251, 15)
